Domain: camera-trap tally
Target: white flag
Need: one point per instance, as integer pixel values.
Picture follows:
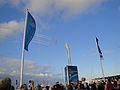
(68, 52)
(67, 46)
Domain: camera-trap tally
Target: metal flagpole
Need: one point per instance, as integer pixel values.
(101, 57)
(22, 58)
(69, 59)
(68, 76)
(102, 69)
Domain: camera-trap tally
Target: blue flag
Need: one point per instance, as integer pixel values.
(30, 30)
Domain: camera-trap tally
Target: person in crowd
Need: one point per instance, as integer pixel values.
(99, 86)
(47, 87)
(103, 84)
(118, 84)
(86, 86)
(12, 88)
(38, 87)
(23, 87)
(80, 86)
(5, 84)
(114, 85)
(30, 85)
(70, 87)
(62, 86)
(109, 85)
(57, 86)
(92, 86)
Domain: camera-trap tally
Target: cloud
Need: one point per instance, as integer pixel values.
(12, 67)
(75, 7)
(56, 7)
(13, 3)
(32, 70)
(43, 8)
(62, 7)
(1, 72)
(9, 28)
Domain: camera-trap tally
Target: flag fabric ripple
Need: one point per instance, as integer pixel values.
(30, 30)
(99, 50)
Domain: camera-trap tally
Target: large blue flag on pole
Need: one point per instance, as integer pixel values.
(30, 30)
(99, 50)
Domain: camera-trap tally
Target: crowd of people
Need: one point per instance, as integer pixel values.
(5, 84)
(83, 85)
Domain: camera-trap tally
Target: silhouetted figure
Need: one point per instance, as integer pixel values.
(69, 87)
(47, 87)
(99, 86)
(80, 86)
(57, 86)
(115, 85)
(92, 86)
(109, 85)
(12, 88)
(23, 87)
(118, 84)
(5, 84)
(38, 87)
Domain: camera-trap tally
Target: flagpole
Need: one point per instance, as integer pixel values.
(101, 57)
(69, 59)
(68, 82)
(102, 69)
(22, 58)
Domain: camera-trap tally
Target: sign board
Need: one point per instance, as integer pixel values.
(71, 74)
